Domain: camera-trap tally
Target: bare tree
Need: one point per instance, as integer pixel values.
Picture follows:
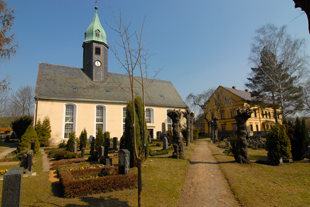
(21, 102)
(282, 60)
(306, 96)
(134, 59)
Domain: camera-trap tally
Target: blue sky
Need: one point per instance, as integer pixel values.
(199, 44)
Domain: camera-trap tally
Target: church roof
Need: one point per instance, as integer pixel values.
(95, 31)
(56, 82)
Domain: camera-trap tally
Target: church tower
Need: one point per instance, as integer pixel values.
(95, 51)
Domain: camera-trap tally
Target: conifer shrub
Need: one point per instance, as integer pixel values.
(43, 131)
(122, 143)
(299, 140)
(26, 139)
(70, 143)
(21, 124)
(278, 144)
(195, 133)
(64, 155)
(99, 138)
(83, 139)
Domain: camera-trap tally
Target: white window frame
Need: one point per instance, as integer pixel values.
(74, 117)
(104, 121)
(123, 119)
(168, 120)
(152, 113)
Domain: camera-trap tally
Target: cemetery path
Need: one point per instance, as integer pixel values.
(4, 152)
(204, 183)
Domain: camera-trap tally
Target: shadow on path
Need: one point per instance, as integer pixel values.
(198, 162)
(101, 201)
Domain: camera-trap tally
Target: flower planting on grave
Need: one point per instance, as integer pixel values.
(89, 180)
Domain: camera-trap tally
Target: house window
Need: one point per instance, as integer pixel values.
(256, 126)
(269, 115)
(217, 102)
(223, 127)
(169, 123)
(69, 120)
(234, 127)
(222, 114)
(255, 114)
(99, 117)
(149, 115)
(233, 113)
(97, 51)
(251, 127)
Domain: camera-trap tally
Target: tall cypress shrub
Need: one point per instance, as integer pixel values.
(70, 143)
(300, 140)
(83, 139)
(26, 139)
(99, 138)
(46, 132)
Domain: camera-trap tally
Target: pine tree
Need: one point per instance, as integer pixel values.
(99, 138)
(46, 132)
(39, 131)
(83, 139)
(29, 136)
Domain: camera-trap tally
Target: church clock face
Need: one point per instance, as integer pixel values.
(97, 63)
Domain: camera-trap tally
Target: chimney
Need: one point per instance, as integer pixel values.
(246, 90)
(234, 87)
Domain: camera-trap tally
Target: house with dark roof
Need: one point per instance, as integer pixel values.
(91, 97)
(260, 120)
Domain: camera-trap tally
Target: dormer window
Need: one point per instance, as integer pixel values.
(97, 51)
(97, 33)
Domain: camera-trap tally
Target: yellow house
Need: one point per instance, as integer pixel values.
(91, 97)
(224, 103)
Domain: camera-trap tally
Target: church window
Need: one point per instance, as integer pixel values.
(222, 114)
(169, 123)
(124, 118)
(233, 113)
(69, 120)
(97, 51)
(149, 115)
(97, 33)
(99, 117)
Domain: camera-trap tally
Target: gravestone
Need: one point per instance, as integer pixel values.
(149, 139)
(33, 147)
(227, 143)
(92, 147)
(115, 143)
(90, 140)
(12, 187)
(29, 161)
(101, 151)
(158, 134)
(106, 147)
(75, 148)
(165, 143)
(82, 152)
(163, 127)
(123, 161)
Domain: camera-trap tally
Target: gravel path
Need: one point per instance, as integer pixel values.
(204, 183)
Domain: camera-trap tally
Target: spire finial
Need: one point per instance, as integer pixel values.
(96, 6)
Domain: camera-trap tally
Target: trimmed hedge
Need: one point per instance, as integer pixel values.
(64, 155)
(73, 188)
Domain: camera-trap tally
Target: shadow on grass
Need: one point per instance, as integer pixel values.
(101, 201)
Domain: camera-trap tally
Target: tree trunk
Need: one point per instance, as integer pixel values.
(139, 181)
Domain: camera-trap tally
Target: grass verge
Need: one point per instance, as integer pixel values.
(162, 176)
(266, 185)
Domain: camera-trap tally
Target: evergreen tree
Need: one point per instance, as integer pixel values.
(29, 136)
(39, 131)
(70, 143)
(99, 138)
(128, 134)
(83, 139)
(46, 132)
(278, 143)
(21, 124)
(300, 140)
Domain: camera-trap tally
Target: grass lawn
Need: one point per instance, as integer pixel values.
(163, 178)
(266, 185)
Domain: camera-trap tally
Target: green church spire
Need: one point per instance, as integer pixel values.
(95, 31)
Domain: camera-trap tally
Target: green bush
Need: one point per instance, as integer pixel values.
(83, 139)
(278, 144)
(70, 143)
(99, 138)
(158, 152)
(25, 141)
(21, 124)
(62, 145)
(158, 144)
(64, 155)
(196, 133)
(43, 131)
(233, 143)
(106, 135)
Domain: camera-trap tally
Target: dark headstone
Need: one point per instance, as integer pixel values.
(82, 152)
(165, 143)
(33, 147)
(163, 127)
(123, 161)
(12, 187)
(106, 160)
(115, 143)
(29, 161)
(149, 139)
(101, 151)
(92, 147)
(75, 148)
(90, 139)
(227, 144)
(106, 148)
